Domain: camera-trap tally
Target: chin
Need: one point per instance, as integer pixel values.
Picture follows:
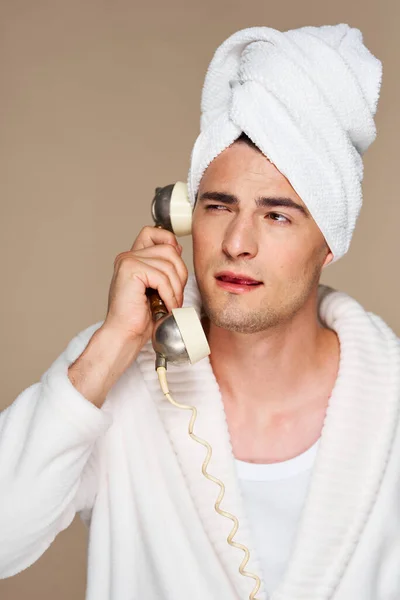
(239, 320)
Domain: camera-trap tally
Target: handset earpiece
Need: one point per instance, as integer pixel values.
(171, 208)
(179, 337)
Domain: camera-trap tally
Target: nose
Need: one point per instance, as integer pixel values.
(240, 238)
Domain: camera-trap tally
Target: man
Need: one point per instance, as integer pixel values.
(299, 398)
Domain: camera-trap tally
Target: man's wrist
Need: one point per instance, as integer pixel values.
(107, 355)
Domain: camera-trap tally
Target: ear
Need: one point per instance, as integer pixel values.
(328, 259)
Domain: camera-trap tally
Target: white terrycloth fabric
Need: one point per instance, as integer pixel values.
(307, 98)
(134, 474)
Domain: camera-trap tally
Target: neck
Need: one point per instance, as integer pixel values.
(282, 368)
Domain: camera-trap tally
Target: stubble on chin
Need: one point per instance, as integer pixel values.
(230, 315)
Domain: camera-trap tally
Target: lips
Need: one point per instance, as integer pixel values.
(237, 279)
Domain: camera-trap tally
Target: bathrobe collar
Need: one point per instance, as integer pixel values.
(356, 440)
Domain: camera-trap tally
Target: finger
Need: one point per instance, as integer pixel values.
(130, 253)
(149, 236)
(166, 252)
(167, 268)
(153, 277)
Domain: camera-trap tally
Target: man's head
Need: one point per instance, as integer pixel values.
(307, 98)
(239, 226)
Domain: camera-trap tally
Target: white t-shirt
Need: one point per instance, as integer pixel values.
(274, 495)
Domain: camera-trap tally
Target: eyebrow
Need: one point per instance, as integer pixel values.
(262, 201)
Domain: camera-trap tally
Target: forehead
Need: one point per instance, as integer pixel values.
(244, 171)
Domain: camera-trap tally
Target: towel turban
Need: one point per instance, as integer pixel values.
(307, 98)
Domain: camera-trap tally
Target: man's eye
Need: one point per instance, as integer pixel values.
(214, 207)
(280, 217)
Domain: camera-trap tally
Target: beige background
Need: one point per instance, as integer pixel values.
(99, 105)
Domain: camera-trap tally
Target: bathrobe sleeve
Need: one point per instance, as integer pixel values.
(47, 437)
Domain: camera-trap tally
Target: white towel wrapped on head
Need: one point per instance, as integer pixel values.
(307, 98)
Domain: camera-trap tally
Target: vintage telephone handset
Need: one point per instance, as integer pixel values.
(179, 338)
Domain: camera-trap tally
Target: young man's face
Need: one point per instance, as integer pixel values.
(278, 246)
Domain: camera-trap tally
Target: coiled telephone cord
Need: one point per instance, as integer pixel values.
(162, 377)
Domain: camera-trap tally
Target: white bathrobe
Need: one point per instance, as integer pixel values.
(134, 474)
